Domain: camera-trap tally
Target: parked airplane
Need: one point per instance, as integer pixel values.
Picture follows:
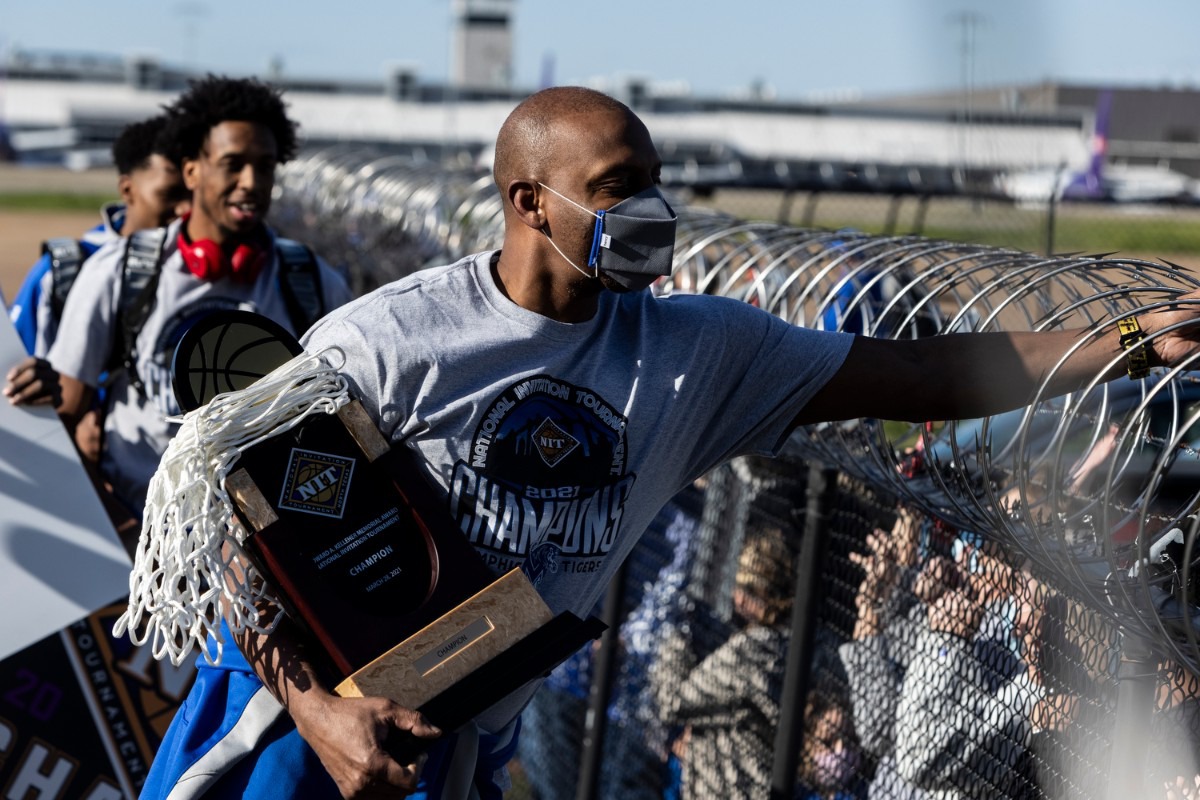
(1147, 184)
(1099, 181)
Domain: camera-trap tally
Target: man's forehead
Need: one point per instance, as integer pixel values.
(605, 141)
(156, 163)
(238, 135)
(602, 124)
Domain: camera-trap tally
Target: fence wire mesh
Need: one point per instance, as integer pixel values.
(1003, 607)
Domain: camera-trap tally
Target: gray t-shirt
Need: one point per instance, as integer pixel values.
(556, 444)
(136, 430)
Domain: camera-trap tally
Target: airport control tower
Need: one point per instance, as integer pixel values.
(483, 44)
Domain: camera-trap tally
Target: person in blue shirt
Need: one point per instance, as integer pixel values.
(152, 194)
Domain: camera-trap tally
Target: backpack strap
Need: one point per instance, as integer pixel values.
(66, 257)
(300, 282)
(139, 283)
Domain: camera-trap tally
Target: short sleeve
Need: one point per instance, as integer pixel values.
(760, 373)
(347, 345)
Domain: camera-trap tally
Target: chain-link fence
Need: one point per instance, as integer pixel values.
(985, 608)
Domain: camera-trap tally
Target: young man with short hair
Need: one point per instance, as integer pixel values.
(152, 194)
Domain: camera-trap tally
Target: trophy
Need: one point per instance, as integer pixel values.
(360, 555)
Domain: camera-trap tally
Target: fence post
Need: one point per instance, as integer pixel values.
(893, 213)
(822, 484)
(810, 209)
(1138, 678)
(595, 724)
(785, 206)
(1051, 207)
(919, 218)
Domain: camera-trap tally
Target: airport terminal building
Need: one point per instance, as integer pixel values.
(70, 107)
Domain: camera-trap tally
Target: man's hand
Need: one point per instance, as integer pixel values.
(1173, 347)
(938, 576)
(33, 382)
(880, 576)
(1183, 788)
(351, 737)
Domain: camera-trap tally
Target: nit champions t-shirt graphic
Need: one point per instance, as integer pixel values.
(545, 484)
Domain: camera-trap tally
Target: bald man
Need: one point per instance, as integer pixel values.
(557, 406)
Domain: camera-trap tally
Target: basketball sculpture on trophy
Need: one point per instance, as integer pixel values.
(342, 531)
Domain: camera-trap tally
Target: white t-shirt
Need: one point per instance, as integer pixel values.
(136, 430)
(556, 444)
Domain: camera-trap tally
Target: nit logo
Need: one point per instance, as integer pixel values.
(317, 483)
(552, 443)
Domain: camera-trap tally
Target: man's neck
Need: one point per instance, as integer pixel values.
(529, 278)
(199, 228)
(133, 224)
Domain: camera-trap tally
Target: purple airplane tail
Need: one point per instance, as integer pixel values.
(1090, 184)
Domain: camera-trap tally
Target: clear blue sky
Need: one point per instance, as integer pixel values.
(798, 47)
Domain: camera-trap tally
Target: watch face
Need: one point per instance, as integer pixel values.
(226, 351)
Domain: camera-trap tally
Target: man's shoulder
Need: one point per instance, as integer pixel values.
(407, 297)
(302, 255)
(96, 237)
(434, 281)
(39, 270)
(702, 307)
(109, 253)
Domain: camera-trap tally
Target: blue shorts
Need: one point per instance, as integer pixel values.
(231, 738)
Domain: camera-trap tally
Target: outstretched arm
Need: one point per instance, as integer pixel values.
(966, 375)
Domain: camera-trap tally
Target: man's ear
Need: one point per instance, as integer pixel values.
(125, 188)
(191, 173)
(524, 198)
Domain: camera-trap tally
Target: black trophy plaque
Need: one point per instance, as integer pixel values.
(361, 556)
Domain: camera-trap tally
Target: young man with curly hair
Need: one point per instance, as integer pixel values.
(135, 297)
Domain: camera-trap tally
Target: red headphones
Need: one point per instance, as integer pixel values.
(207, 261)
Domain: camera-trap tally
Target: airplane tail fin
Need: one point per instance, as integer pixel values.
(1089, 184)
(1095, 172)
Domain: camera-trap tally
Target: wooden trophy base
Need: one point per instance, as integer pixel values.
(451, 647)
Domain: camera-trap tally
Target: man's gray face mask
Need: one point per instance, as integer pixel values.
(633, 242)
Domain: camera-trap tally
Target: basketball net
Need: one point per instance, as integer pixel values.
(190, 569)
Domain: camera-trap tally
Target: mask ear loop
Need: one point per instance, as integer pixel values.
(597, 239)
(598, 236)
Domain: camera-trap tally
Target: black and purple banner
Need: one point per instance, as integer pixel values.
(82, 713)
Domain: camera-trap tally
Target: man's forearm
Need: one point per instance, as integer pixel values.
(76, 400)
(281, 662)
(982, 374)
(350, 736)
(960, 376)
